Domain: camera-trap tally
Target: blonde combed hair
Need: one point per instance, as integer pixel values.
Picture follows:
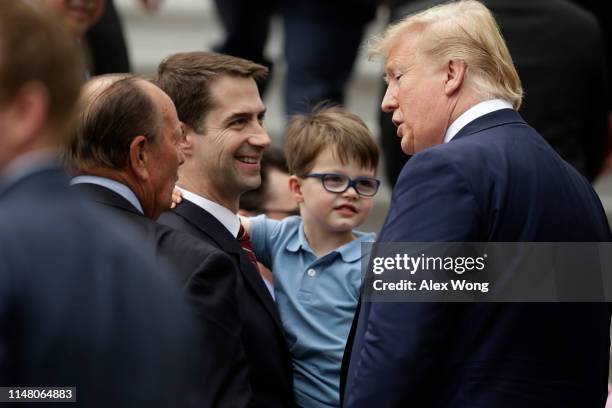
(462, 30)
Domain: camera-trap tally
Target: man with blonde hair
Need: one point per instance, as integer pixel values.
(479, 174)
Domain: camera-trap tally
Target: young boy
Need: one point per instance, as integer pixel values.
(316, 257)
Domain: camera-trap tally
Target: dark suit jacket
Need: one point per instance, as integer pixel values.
(497, 180)
(83, 304)
(208, 276)
(268, 358)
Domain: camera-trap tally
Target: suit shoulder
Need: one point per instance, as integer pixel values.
(169, 218)
(433, 162)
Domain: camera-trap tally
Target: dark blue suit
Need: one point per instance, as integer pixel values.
(82, 304)
(497, 180)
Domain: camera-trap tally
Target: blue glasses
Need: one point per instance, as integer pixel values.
(339, 183)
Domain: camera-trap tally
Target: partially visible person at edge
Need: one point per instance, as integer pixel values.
(81, 305)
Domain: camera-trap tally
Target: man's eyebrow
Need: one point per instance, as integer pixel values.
(237, 115)
(245, 114)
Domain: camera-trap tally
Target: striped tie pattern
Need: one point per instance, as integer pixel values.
(245, 243)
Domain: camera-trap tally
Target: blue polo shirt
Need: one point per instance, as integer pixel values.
(316, 299)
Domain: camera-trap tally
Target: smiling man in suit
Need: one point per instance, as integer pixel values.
(217, 99)
(479, 174)
(124, 148)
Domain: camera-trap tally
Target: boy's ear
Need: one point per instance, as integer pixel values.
(138, 157)
(296, 189)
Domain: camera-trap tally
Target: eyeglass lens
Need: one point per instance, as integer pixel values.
(338, 183)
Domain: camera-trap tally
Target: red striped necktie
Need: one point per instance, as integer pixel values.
(245, 243)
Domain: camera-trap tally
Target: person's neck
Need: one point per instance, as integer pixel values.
(205, 189)
(464, 102)
(322, 240)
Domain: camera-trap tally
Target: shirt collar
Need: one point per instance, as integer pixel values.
(119, 188)
(473, 113)
(350, 252)
(224, 215)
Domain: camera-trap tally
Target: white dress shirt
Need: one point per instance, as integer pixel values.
(473, 113)
(229, 220)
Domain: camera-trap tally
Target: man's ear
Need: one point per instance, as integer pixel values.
(28, 112)
(186, 145)
(455, 76)
(138, 157)
(296, 189)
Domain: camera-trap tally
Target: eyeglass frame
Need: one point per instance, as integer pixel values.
(351, 182)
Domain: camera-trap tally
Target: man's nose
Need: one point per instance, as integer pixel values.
(389, 102)
(260, 137)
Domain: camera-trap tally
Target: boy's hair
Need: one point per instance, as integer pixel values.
(329, 128)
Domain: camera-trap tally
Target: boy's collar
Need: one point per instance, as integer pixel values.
(350, 252)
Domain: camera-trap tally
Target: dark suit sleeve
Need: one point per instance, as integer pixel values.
(211, 291)
(4, 323)
(402, 344)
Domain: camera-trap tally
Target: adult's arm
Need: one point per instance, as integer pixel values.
(404, 345)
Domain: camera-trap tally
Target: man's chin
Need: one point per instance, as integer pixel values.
(250, 183)
(407, 145)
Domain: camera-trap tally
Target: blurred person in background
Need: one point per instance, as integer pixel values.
(321, 41)
(272, 198)
(98, 24)
(82, 303)
(77, 15)
(106, 39)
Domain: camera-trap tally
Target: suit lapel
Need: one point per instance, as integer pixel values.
(212, 228)
(348, 349)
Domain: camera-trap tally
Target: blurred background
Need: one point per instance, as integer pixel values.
(192, 25)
